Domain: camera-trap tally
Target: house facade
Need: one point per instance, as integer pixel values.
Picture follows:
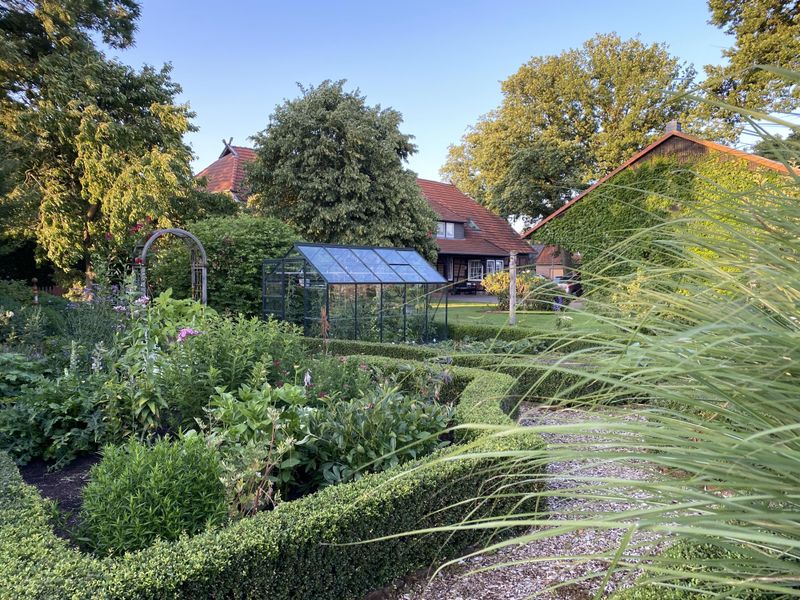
(674, 144)
(473, 242)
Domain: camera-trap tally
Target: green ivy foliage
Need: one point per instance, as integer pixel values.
(236, 247)
(632, 205)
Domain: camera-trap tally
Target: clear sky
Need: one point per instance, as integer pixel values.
(438, 62)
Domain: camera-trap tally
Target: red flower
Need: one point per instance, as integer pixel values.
(138, 260)
(148, 219)
(322, 395)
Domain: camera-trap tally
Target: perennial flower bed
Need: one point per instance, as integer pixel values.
(207, 424)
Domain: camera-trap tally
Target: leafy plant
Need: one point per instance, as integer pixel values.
(236, 247)
(371, 433)
(337, 377)
(140, 493)
(55, 420)
(256, 431)
(709, 345)
(533, 291)
(226, 353)
(18, 372)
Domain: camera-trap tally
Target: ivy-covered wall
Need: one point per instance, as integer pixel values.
(633, 202)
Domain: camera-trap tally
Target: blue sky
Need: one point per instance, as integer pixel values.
(438, 63)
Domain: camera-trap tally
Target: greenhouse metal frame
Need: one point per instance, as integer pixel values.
(357, 292)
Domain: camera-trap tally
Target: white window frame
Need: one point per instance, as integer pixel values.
(494, 266)
(440, 229)
(474, 266)
(450, 230)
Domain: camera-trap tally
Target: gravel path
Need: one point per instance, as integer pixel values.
(530, 579)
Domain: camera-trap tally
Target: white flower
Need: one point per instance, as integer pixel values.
(307, 379)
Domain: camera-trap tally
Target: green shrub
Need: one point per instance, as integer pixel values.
(371, 433)
(703, 559)
(236, 247)
(18, 372)
(339, 377)
(137, 494)
(54, 420)
(314, 547)
(461, 331)
(351, 347)
(226, 353)
(256, 432)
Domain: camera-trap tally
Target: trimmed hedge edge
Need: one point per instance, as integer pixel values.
(313, 547)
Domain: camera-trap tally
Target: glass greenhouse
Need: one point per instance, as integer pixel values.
(357, 292)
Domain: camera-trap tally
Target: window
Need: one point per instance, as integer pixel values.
(473, 225)
(494, 266)
(475, 270)
(445, 230)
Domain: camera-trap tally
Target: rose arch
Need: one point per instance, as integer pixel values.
(198, 261)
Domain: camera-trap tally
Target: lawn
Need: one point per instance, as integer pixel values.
(487, 314)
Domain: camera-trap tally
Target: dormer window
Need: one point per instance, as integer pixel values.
(473, 225)
(446, 229)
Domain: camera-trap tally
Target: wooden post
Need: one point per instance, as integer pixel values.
(512, 289)
(35, 282)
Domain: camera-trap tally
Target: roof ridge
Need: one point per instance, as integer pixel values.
(649, 148)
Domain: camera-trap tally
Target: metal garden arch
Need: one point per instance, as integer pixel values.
(198, 261)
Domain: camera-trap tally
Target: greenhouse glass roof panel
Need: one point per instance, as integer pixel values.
(354, 264)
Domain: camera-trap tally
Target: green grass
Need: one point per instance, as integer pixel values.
(474, 313)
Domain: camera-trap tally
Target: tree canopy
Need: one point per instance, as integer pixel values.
(333, 168)
(94, 146)
(569, 119)
(766, 32)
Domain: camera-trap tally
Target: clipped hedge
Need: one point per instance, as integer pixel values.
(308, 548)
(481, 333)
(525, 373)
(534, 380)
(691, 556)
(353, 347)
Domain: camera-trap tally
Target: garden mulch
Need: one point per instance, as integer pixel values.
(533, 569)
(63, 486)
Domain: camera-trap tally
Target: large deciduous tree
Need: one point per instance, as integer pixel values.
(766, 33)
(566, 120)
(96, 146)
(333, 167)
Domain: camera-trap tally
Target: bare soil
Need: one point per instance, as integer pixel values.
(64, 487)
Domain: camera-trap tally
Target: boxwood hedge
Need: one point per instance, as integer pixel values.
(315, 547)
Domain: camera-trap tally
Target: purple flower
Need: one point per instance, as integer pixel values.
(187, 332)
(120, 309)
(142, 300)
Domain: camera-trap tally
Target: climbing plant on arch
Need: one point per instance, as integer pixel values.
(198, 262)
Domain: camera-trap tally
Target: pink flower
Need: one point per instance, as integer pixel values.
(187, 332)
(109, 235)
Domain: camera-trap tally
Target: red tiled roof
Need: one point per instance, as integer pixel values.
(495, 236)
(752, 158)
(226, 174)
(451, 204)
(550, 255)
